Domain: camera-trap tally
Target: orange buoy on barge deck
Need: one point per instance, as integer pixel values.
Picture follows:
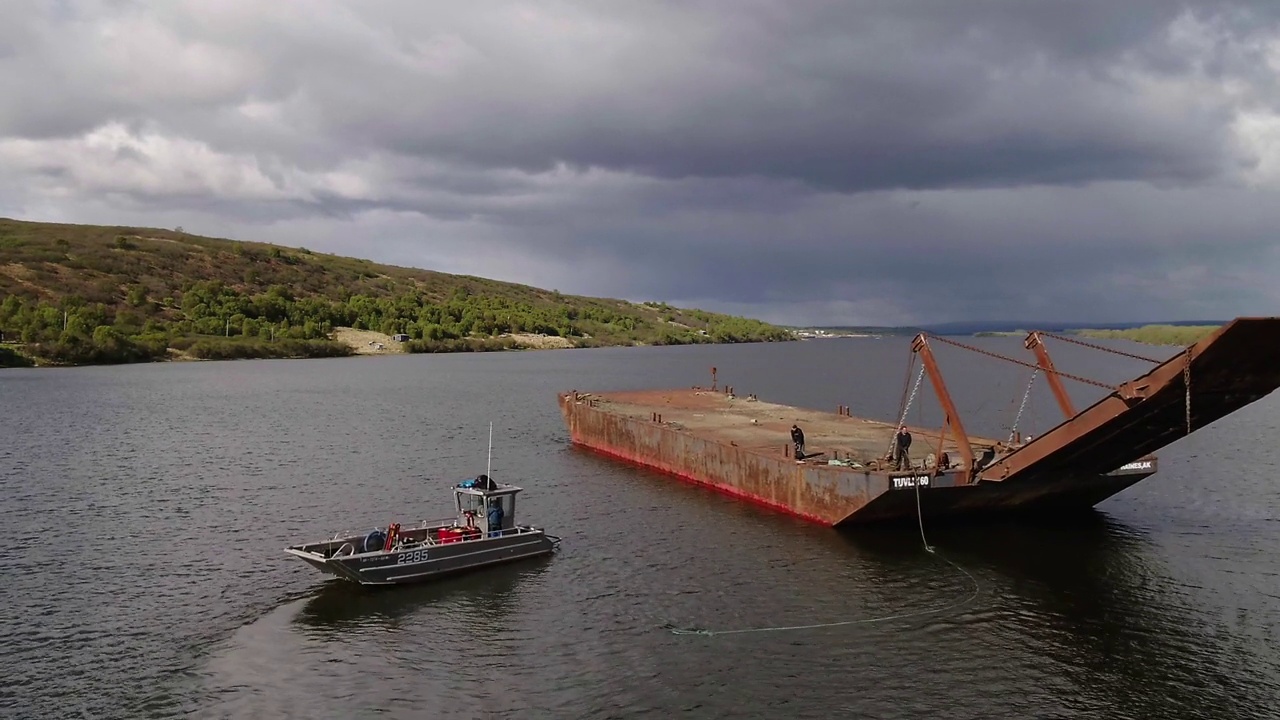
(742, 446)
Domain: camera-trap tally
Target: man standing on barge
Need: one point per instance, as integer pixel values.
(903, 444)
(797, 437)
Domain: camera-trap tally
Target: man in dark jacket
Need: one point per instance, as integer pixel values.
(903, 445)
(495, 517)
(797, 437)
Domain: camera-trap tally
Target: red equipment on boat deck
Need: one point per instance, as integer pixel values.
(393, 530)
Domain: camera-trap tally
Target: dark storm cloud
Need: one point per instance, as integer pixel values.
(842, 96)
(809, 161)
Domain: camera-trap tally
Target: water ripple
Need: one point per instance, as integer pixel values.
(146, 507)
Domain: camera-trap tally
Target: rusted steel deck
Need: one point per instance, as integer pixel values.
(709, 439)
(742, 446)
(765, 427)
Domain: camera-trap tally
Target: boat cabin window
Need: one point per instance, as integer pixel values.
(482, 507)
(471, 503)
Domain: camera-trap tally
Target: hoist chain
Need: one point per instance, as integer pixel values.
(1014, 430)
(912, 399)
(907, 407)
(1015, 361)
(906, 384)
(1186, 383)
(1098, 347)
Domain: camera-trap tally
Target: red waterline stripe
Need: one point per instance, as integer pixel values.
(727, 490)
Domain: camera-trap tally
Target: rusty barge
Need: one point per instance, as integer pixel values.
(741, 445)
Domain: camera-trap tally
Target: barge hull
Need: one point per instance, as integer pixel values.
(731, 453)
(690, 475)
(740, 446)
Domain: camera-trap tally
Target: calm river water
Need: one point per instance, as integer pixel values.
(145, 509)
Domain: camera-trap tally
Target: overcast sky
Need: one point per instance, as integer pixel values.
(799, 161)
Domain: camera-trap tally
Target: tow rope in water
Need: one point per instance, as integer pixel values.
(862, 621)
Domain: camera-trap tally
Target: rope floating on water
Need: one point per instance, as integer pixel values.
(861, 621)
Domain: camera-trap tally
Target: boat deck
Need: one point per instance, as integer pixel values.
(766, 427)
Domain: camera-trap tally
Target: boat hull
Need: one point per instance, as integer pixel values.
(424, 563)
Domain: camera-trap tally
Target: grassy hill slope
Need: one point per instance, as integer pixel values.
(90, 294)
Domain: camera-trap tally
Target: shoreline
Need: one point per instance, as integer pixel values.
(178, 356)
(1153, 335)
(368, 343)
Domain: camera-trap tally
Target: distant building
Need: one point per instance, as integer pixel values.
(400, 337)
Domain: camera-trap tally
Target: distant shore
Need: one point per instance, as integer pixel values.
(1163, 335)
(1159, 335)
(1153, 334)
(830, 334)
(351, 342)
(342, 342)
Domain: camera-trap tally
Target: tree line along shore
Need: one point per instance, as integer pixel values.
(1156, 334)
(86, 294)
(78, 294)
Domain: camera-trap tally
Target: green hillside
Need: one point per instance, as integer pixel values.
(76, 294)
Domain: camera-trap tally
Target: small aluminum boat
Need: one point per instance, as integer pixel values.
(483, 532)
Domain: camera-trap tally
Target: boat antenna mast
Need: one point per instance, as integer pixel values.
(488, 470)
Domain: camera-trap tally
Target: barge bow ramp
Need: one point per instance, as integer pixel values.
(741, 445)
